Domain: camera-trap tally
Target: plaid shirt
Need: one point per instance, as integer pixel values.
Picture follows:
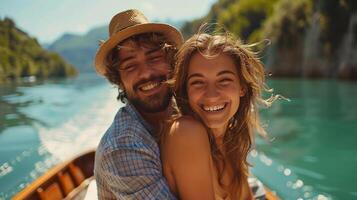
(127, 161)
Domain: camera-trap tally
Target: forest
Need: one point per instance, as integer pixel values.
(22, 56)
(308, 38)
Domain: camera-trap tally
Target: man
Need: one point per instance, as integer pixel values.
(138, 58)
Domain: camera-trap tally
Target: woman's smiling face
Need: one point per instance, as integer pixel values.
(214, 89)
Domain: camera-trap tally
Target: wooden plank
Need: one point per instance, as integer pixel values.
(271, 195)
(51, 175)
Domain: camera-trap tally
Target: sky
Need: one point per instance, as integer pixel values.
(47, 20)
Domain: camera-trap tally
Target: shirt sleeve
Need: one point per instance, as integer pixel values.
(132, 170)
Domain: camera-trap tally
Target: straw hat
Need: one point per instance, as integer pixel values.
(126, 24)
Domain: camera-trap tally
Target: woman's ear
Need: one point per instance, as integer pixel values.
(242, 91)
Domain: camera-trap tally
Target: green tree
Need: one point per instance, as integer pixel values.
(21, 55)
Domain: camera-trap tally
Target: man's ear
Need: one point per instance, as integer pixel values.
(120, 84)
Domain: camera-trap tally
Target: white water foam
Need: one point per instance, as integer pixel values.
(81, 132)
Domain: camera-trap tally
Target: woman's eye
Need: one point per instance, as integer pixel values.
(225, 81)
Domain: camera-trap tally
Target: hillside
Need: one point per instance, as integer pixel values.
(310, 38)
(22, 56)
(79, 50)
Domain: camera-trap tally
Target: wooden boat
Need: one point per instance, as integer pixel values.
(271, 195)
(70, 180)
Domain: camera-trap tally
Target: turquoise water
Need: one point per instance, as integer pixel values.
(44, 123)
(311, 153)
(314, 139)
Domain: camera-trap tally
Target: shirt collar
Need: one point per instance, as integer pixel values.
(134, 112)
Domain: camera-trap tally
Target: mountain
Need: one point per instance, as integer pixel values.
(309, 38)
(23, 56)
(79, 50)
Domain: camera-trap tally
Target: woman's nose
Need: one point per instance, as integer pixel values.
(211, 92)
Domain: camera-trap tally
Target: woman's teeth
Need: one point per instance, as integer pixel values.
(214, 108)
(149, 86)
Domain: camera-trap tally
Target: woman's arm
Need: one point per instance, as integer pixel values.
(186, 152)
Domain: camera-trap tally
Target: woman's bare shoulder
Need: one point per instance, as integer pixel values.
(186, 136)
(186, 132)
(187, 156)
(187, 127)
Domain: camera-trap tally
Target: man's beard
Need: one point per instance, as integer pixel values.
(154, 103)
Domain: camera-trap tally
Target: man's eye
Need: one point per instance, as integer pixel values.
(156, 58)
(129, 67)
(197, 83)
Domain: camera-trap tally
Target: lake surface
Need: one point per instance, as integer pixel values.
(311, 153)
(314, 139)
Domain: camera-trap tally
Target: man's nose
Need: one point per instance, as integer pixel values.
(145, 70)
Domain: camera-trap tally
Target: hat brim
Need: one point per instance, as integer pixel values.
(172, 34)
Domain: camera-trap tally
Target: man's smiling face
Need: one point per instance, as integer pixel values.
(144, 70)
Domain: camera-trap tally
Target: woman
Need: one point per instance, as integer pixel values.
(217, 84)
